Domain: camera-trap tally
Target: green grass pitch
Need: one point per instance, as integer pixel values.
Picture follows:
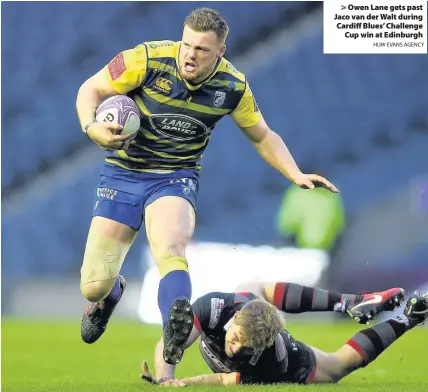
(48, 356)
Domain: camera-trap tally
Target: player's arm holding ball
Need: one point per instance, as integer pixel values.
(270, 145)
(124, 73)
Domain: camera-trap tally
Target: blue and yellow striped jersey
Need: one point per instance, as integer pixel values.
(176, 117)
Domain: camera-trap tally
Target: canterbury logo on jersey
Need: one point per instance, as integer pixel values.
(163, 85)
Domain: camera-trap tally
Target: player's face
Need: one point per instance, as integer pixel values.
(234, 341)
(199, 53)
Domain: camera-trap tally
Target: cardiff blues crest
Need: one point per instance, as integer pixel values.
(219, 98)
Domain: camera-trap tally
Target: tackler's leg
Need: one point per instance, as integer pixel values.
(170, 223)
(106, 248)
(366, 345)
(295, 298)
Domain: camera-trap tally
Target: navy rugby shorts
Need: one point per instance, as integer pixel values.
(123, 195)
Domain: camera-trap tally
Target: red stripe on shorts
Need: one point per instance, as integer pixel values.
(311, 376)
(238, 378)
(117, 67)
(196, 323)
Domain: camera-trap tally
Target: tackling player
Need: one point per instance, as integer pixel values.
(182, 89)
(243, 339)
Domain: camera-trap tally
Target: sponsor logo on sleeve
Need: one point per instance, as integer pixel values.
(216, 308)
(117, 67)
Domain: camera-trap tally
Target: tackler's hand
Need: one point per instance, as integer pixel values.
(311, 181)
(146, 375)
(104, 135)
(173, 382)
(163, 382)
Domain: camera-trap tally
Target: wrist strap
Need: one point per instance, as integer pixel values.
(162, 379)
(88, 125)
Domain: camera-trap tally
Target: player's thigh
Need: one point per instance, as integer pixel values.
(328, 369)
(170, 224)
(107, 244)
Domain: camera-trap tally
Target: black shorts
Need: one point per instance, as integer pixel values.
(307, 365)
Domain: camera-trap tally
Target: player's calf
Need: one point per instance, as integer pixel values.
(170, 223)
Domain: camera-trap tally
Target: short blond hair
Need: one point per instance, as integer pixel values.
(261, 323)
(207, 19)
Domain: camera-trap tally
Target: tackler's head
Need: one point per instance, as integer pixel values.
(253, 328)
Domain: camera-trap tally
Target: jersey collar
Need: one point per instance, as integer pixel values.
(228, 324)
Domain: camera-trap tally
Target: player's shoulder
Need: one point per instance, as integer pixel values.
(162, 48)
(129, 59)
(137, 53)
(211, 308)
(215, 297)
(228, 68)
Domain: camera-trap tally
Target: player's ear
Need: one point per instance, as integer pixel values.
(222, 51)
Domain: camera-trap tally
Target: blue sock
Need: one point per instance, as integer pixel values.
(115, 292)
(173, 285)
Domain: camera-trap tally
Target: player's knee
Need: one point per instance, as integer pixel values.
(340, 367)
(162, 252)
(101, 265)
(251, 287)
(96, 291)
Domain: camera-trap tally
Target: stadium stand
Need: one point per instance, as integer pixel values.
(351, 114)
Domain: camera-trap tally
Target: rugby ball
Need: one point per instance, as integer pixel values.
(122, 110)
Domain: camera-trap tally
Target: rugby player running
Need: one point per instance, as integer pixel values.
(243, 339)
(182, 89)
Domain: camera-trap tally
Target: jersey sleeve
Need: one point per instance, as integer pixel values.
(247, 376)
(247, 379)
(209, 308)
(127, 70)
(257, 377)
(201, 310)
(247, 113)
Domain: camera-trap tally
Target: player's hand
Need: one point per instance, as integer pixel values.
(173, 382)
(311, 181)
(145, 374)
(104, 135)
